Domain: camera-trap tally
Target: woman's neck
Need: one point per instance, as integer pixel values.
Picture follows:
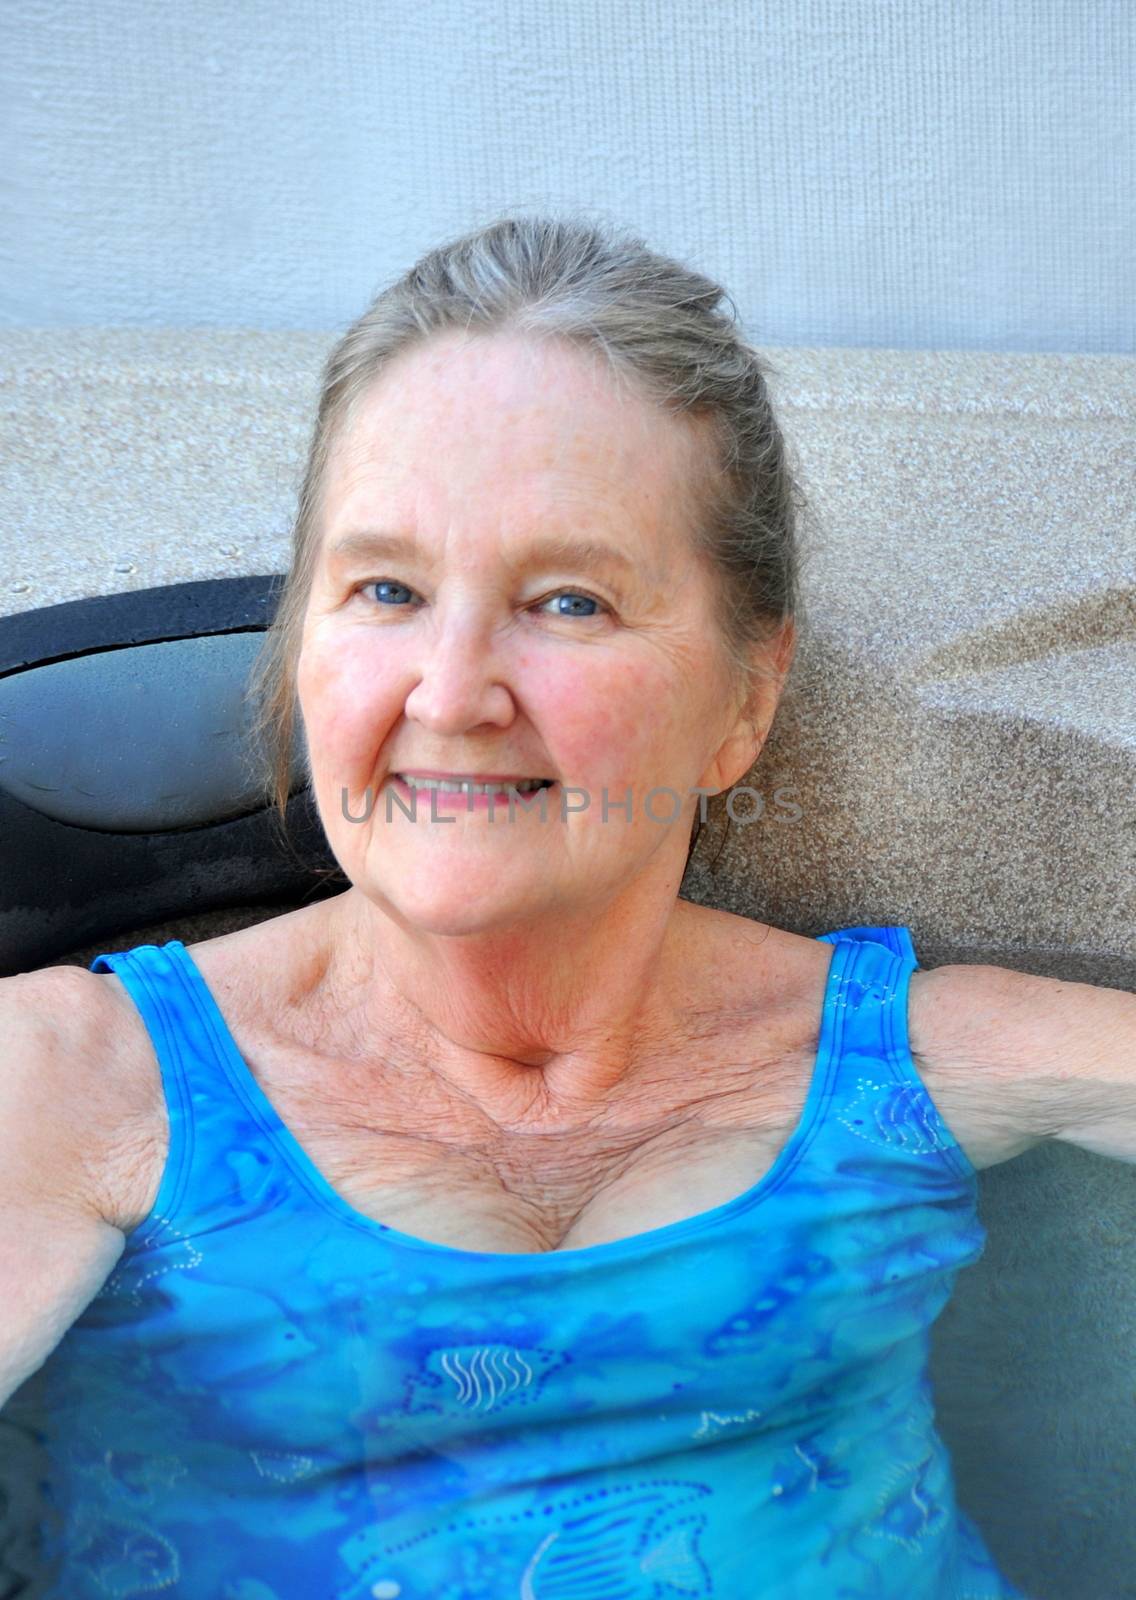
(535, 1027)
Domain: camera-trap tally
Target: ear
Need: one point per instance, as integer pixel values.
(753, 715)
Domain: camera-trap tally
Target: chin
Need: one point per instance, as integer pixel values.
(459, 904)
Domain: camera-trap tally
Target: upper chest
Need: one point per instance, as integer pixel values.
(695, 1133)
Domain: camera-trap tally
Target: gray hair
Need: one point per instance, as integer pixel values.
(658, 326)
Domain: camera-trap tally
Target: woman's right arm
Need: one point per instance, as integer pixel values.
(57, 1248)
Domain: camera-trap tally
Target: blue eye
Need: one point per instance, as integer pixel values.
(386, 583)
(383, 597)
(575, 594)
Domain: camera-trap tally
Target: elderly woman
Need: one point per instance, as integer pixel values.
(506, 1225)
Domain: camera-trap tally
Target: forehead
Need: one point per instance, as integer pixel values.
(515, 427)
(453, 375)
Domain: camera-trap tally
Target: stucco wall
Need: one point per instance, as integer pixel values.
(904, 173)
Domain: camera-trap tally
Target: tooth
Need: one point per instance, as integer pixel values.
(523, 786)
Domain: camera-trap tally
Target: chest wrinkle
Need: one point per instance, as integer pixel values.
(408, 1129)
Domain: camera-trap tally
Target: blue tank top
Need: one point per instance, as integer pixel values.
(274, 1397)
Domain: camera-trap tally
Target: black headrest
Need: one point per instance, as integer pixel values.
(127, 793)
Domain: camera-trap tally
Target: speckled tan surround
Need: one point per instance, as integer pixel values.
(960, 738)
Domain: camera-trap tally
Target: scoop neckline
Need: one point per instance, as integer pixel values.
(321, 1190)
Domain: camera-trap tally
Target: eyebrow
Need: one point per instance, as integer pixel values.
(549, 550)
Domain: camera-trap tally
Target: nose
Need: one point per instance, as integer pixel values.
(459, 684)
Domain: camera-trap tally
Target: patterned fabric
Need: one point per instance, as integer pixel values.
(274, 1397)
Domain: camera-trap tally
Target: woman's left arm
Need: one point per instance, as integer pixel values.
(1050, 1058)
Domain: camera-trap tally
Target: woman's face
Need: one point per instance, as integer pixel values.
(475, 647)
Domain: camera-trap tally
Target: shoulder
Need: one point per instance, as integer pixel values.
(965, 1027)
(1012, 1026)
(982, 1039)
(260, 973)
(100, 1065)
(742, 949)
(1050, 1058)
(67, 1010)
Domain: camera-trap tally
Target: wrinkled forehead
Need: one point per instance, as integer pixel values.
(520, 432)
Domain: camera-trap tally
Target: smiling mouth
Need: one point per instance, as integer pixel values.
(467, 786)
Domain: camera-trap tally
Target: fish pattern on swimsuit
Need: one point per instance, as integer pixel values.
(274, 1397)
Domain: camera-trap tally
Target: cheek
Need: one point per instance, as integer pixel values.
(604, 722)
(340, 698)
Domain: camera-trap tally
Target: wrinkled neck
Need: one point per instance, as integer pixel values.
(533, 1024)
